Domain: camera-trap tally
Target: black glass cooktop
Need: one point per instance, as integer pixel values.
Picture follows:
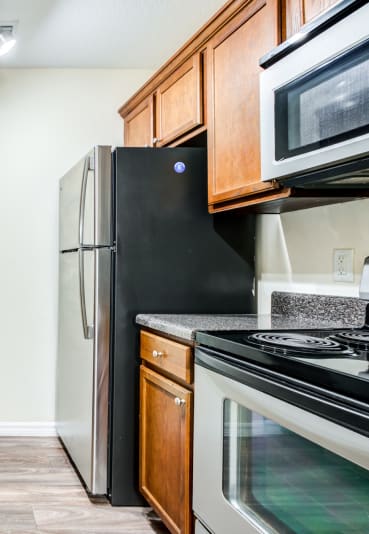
(337, 360)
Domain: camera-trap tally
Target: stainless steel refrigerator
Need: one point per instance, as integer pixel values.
(135, 237)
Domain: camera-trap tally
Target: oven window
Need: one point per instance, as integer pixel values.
(325, 106)
(286, 483)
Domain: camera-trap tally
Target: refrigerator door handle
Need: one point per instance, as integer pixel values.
(88, 330)
(82, 201)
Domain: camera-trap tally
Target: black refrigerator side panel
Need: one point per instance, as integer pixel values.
(171, 257)
(174, 256)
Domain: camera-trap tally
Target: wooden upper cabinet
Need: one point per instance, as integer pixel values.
(139, 124)
(179, 102)
(233, 101)
(300, 12)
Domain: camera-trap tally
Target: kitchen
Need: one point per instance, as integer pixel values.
(48, 101)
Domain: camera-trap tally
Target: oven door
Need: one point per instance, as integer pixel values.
(315, 107)
(264, 465)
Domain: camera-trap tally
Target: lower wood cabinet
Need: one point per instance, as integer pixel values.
(166, 422)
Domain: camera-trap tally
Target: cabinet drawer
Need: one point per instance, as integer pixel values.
(167, 355)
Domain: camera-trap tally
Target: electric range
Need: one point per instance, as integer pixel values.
(336, 360)
(281, 431)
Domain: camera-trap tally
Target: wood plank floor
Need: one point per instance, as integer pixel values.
(40, 493)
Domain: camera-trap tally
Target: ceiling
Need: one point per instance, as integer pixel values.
(101, 33)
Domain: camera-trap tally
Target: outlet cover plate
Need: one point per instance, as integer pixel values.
(343, 264)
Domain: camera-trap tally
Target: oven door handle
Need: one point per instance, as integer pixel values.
(322, 422)
(337, 408)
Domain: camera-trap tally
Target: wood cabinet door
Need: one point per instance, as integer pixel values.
(165, 449)
(179, 102)
(139, 124)
(233, 101)
(300, 12)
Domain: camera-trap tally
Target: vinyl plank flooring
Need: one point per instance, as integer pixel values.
(10, 443)
(91, 519)
(40, 493)
(17, 517)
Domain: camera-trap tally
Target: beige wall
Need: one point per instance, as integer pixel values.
(294, 251)
(48, 119)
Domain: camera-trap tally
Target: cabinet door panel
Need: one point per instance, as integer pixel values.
(300, 12)
(165, 449)
(139, 125)
(233, 97)
(179, 102)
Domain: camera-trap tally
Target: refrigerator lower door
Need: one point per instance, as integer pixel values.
(83, 362)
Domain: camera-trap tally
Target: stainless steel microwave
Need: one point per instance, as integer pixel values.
(315, 110)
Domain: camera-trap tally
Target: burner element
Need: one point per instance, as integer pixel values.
(294, 344)
(358, 339)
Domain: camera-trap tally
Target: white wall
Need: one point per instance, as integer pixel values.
(49, 118)
(294, 251)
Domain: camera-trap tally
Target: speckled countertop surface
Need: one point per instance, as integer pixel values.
(289, 311)
(185, 326)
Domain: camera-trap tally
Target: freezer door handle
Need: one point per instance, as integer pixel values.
(88, 330)
(82, 201)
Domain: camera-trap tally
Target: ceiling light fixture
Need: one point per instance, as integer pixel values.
(7, 40)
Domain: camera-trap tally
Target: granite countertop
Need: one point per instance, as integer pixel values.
(185, 326)
(290, 311)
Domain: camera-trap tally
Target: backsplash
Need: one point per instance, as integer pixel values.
(319, 307)
(294, 251)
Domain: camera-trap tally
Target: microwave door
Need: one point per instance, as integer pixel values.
(315, 108)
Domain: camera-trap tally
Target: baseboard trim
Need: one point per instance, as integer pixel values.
(33, 429)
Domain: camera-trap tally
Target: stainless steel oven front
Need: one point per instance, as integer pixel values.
(315, 109)
(265, 465)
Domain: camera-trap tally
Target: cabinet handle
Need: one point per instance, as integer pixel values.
(154, 140)
(179, 402)
(157, 354)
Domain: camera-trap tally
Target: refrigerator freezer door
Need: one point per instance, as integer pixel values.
(82, 371)
(85, 202)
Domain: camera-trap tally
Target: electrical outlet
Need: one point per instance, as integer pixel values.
(343, 264)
